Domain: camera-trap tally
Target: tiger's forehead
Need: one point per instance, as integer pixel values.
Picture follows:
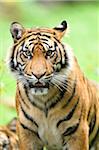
(38, 35)
(39, 32)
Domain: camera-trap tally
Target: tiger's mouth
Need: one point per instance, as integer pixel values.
(39, 88)
(39, 85)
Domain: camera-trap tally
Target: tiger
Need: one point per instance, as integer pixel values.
(57, 106)
(8, 137)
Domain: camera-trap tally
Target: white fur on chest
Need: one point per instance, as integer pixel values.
(47, 129)
(49, 133)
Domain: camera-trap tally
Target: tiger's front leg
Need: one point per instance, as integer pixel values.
(27, 139)
(78, 140)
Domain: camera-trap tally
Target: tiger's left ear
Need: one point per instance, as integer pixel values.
(61, 29)
(16, 30)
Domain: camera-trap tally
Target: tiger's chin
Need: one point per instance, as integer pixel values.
(39, 91)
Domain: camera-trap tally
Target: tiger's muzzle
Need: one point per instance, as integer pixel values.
(39, 86)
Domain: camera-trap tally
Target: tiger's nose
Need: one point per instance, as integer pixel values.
(38, 76)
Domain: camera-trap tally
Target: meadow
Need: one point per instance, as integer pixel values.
(83, 37)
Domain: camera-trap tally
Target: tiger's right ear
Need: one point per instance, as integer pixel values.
(61, 29)
(16, 30)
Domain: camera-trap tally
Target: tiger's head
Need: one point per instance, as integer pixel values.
(38, 58)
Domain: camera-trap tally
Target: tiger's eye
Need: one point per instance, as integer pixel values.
(49, 52)
(28, 53)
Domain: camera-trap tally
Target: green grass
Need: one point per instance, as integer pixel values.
(83, 38)
(6, 114)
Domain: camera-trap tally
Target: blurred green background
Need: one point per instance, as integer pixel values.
(83, 20)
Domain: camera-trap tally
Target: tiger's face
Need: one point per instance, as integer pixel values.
(38, 56)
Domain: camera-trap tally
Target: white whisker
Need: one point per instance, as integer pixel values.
(59, 81)
(57, 86)
(67, 85)
(62, 81)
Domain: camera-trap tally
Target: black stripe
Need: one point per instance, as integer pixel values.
(73, 93)
(46, 112)
(22, 40)
(64, 145)
(69, 115)
(66, 58)
(42, 45)
(55, 58)
(22, 46)
(11, 64)
(96, 137)
(45, 43)
(29, 31)
(14, 48)
(48, 36)
(28, 117)
(36, 44)
(36, 34)
(57, 40)
(71, 130)
(27, 128)
(22, 98)
(91, 127)
(21, 64)
(31, 40)
(22, 59)
(32, 49)
(89, 114)
(44, 39)
(61, 55)
(56, 45)
(61, 95)
(55, 102)
(63, 65)
(92, 123)
(33, 103)
(31, 44)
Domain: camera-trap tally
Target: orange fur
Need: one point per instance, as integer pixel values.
(61, 116)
